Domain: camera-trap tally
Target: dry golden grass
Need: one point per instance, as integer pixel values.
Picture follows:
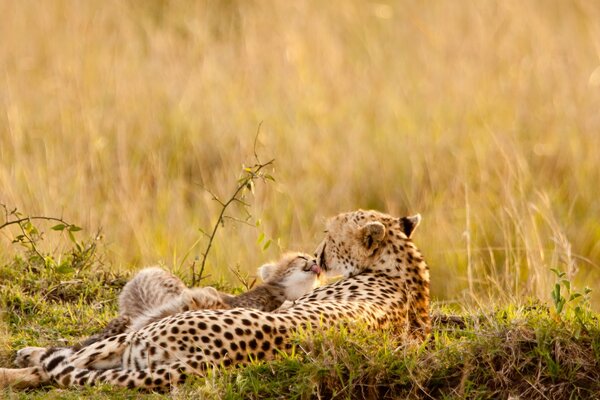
(482, 116)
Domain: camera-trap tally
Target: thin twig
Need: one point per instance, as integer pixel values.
(256, 140)
(20, 220)
(241, 221)
(245, 281)
(252, 173)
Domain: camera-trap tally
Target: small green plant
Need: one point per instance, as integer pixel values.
(564, 295)
(245, 183)
(80, 256)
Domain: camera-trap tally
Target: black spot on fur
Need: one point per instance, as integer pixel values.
(53, 363)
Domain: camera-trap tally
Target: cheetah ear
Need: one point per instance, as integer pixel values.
(409, 224)
(371, 234)
(265, 271)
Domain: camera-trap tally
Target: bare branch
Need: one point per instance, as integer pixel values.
(256, 141)
(241, 221)
(249, 175)
(244, 280)
(21, 220)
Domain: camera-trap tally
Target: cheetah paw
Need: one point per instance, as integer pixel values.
(29, 357)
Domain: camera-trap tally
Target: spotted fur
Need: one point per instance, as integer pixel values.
(154, 294)
(385, 282)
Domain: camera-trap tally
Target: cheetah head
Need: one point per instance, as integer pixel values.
(357, 240)
(297, 273)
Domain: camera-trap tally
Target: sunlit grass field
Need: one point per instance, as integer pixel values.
(127, 117)
(484, 117)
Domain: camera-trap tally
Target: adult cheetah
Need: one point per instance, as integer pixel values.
(386, 282)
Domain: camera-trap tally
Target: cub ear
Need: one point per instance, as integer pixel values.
(409, 224)
(371, 234)
(265, 271)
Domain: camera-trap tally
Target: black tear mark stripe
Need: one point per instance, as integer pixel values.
(322, 258)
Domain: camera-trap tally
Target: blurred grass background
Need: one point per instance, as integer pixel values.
(482, 116)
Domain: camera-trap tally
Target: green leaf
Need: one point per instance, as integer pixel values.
(58, 227)
(574, 296)
(560, 305)
(74, 228)
(267, 244)
(557, 272)
(18, 238)
(557, 291)
(65, 269)
(261, 237)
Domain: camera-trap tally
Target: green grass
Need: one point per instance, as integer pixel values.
(527, 350)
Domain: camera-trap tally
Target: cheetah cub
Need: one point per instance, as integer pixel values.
(154, 294)
(294, 275)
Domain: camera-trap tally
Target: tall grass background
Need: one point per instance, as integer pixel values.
(482, 116)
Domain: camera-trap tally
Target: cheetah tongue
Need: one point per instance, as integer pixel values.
(316, 269)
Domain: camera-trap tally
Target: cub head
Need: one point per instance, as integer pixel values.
(297, 273)
(359, 240)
